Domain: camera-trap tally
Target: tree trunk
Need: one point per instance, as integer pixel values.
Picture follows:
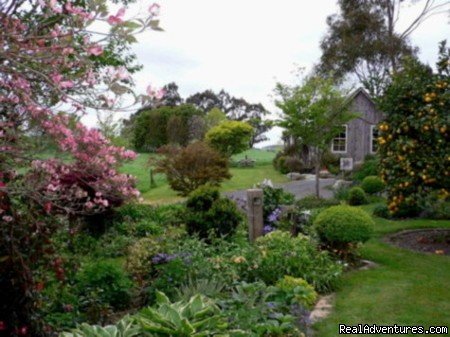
(317, 171)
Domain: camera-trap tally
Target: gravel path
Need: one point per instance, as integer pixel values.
(300, 189)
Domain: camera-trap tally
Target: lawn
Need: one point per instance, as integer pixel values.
(242, 177)
(407, 288)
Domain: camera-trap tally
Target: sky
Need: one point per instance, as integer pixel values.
(246, 46)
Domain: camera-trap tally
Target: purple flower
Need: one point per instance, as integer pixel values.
(161, 258)
(274, 216)
(267, 229)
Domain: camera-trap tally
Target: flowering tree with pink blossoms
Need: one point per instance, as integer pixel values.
(52, 60)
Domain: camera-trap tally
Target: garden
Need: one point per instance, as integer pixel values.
(99, 240)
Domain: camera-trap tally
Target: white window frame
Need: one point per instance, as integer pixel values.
(372, 127)
(346, 141)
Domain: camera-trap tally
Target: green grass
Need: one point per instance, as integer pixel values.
(406, 288)
(242, 177)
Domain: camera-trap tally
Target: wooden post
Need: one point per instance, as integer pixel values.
(255, 213)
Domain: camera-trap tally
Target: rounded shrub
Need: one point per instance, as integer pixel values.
(372, 185)
(357, 196)
(208, 214)
(341, 227)
(108, 281)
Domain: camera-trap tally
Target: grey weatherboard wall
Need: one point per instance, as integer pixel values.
(359, 129)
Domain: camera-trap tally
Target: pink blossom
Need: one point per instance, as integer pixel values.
(121, 73)
(117, 19)
(66, 84)
(155, 94)
(52, 5)
(154, 9)
(7, 218)
(95, 50)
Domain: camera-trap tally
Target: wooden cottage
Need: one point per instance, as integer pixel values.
(359, 136)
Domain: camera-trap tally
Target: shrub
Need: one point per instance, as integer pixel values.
(342, 227)
(357, 196)
(273, 199)
(331, 162)
(370, 167)
(278, 163)
(381, 211)
(278, 254)
(312, 201)
(109, 281)
(133, 212)
(341, 193)
(188, 168)
(296, 291)
(230, 137)
(293, 164)
(435, 207)
(208, 214)
(372, 185)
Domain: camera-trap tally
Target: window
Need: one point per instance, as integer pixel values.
(339, 144)
(373, 139)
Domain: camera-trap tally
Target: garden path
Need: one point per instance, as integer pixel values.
(300, 189)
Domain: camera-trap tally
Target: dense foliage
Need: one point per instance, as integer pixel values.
(195, 165)
(342, 227)
(208, 214)
(357, 196)
(230, 137)
(414, 140)
(167, 125)
(372, 185)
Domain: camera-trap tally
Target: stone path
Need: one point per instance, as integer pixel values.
(300, 189)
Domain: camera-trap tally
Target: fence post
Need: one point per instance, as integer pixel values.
(255, 213)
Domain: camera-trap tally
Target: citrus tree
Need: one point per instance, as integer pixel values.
(414, 138)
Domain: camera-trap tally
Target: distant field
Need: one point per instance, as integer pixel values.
(242, 177)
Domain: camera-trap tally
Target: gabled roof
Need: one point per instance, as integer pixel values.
(358, 91)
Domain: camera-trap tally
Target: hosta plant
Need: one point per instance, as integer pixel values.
(124, 328)
(197, 317)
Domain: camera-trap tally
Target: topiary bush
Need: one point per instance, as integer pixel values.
(341, 228)
(208, 214)
(357, 196)
(372, 185)
(108, 281)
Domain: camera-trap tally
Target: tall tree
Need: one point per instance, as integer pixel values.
(364, 40)
(235, 109)
(415, 139)
(313, 113)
